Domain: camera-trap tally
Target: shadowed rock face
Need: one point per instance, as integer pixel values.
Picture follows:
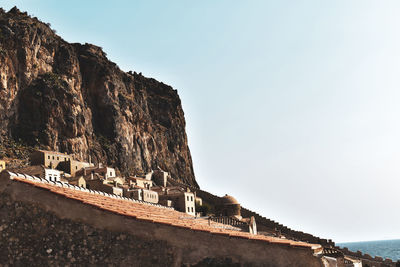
(70, 98)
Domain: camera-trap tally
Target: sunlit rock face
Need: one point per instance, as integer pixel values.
(70, 98)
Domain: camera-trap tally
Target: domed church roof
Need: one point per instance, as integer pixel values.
(229, 200)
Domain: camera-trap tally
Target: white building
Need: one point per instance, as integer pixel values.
(52, 175)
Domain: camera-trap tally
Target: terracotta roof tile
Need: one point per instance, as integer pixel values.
(155, 214)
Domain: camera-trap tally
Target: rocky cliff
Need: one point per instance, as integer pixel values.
(69, 97)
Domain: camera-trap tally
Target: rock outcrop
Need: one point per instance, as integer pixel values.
(70, 98)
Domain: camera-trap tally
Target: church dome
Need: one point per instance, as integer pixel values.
(229, 200)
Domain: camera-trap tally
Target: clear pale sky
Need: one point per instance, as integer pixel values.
(292, 107)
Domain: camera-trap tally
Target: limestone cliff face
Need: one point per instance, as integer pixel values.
(69, 97)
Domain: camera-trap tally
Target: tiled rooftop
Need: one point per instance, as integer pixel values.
(150, 213)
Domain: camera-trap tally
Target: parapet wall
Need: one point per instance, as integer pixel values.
(368, 260)
(266, 225)
(39, 227)
(297, 235)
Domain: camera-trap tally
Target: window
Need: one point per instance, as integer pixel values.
(48, 157)
(191, 198)
(187, 197)
(76, 167)
(192, 209)
(110, 173)
(188, 209)
(58, 158)
(53, 157)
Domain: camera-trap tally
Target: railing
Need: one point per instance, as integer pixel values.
(229, 221)
(332, 252)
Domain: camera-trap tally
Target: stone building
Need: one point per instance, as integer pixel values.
(57, 160)
(107, 172)
(77, 180)
(143, 195)
(73, 166)
(50, 159)
(182, 200)
(104, 186)
(103, 172)
(117, 181)
(140, 182)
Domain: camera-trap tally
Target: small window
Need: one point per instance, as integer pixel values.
(188, 209)
(191, 198)
(76, 167)
(53, 157)
(110, 173)
(192, 209)
(48, 157)
(58, 158)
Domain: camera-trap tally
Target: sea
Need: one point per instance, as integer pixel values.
(384, 248)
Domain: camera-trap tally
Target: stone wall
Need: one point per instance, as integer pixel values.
(368, 260)
(264, 224)
(38, 227)
(31, 235)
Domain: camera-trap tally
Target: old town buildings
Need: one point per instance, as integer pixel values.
(152, 187)
(155, 187)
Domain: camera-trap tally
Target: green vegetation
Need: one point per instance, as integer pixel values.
(205, 209)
